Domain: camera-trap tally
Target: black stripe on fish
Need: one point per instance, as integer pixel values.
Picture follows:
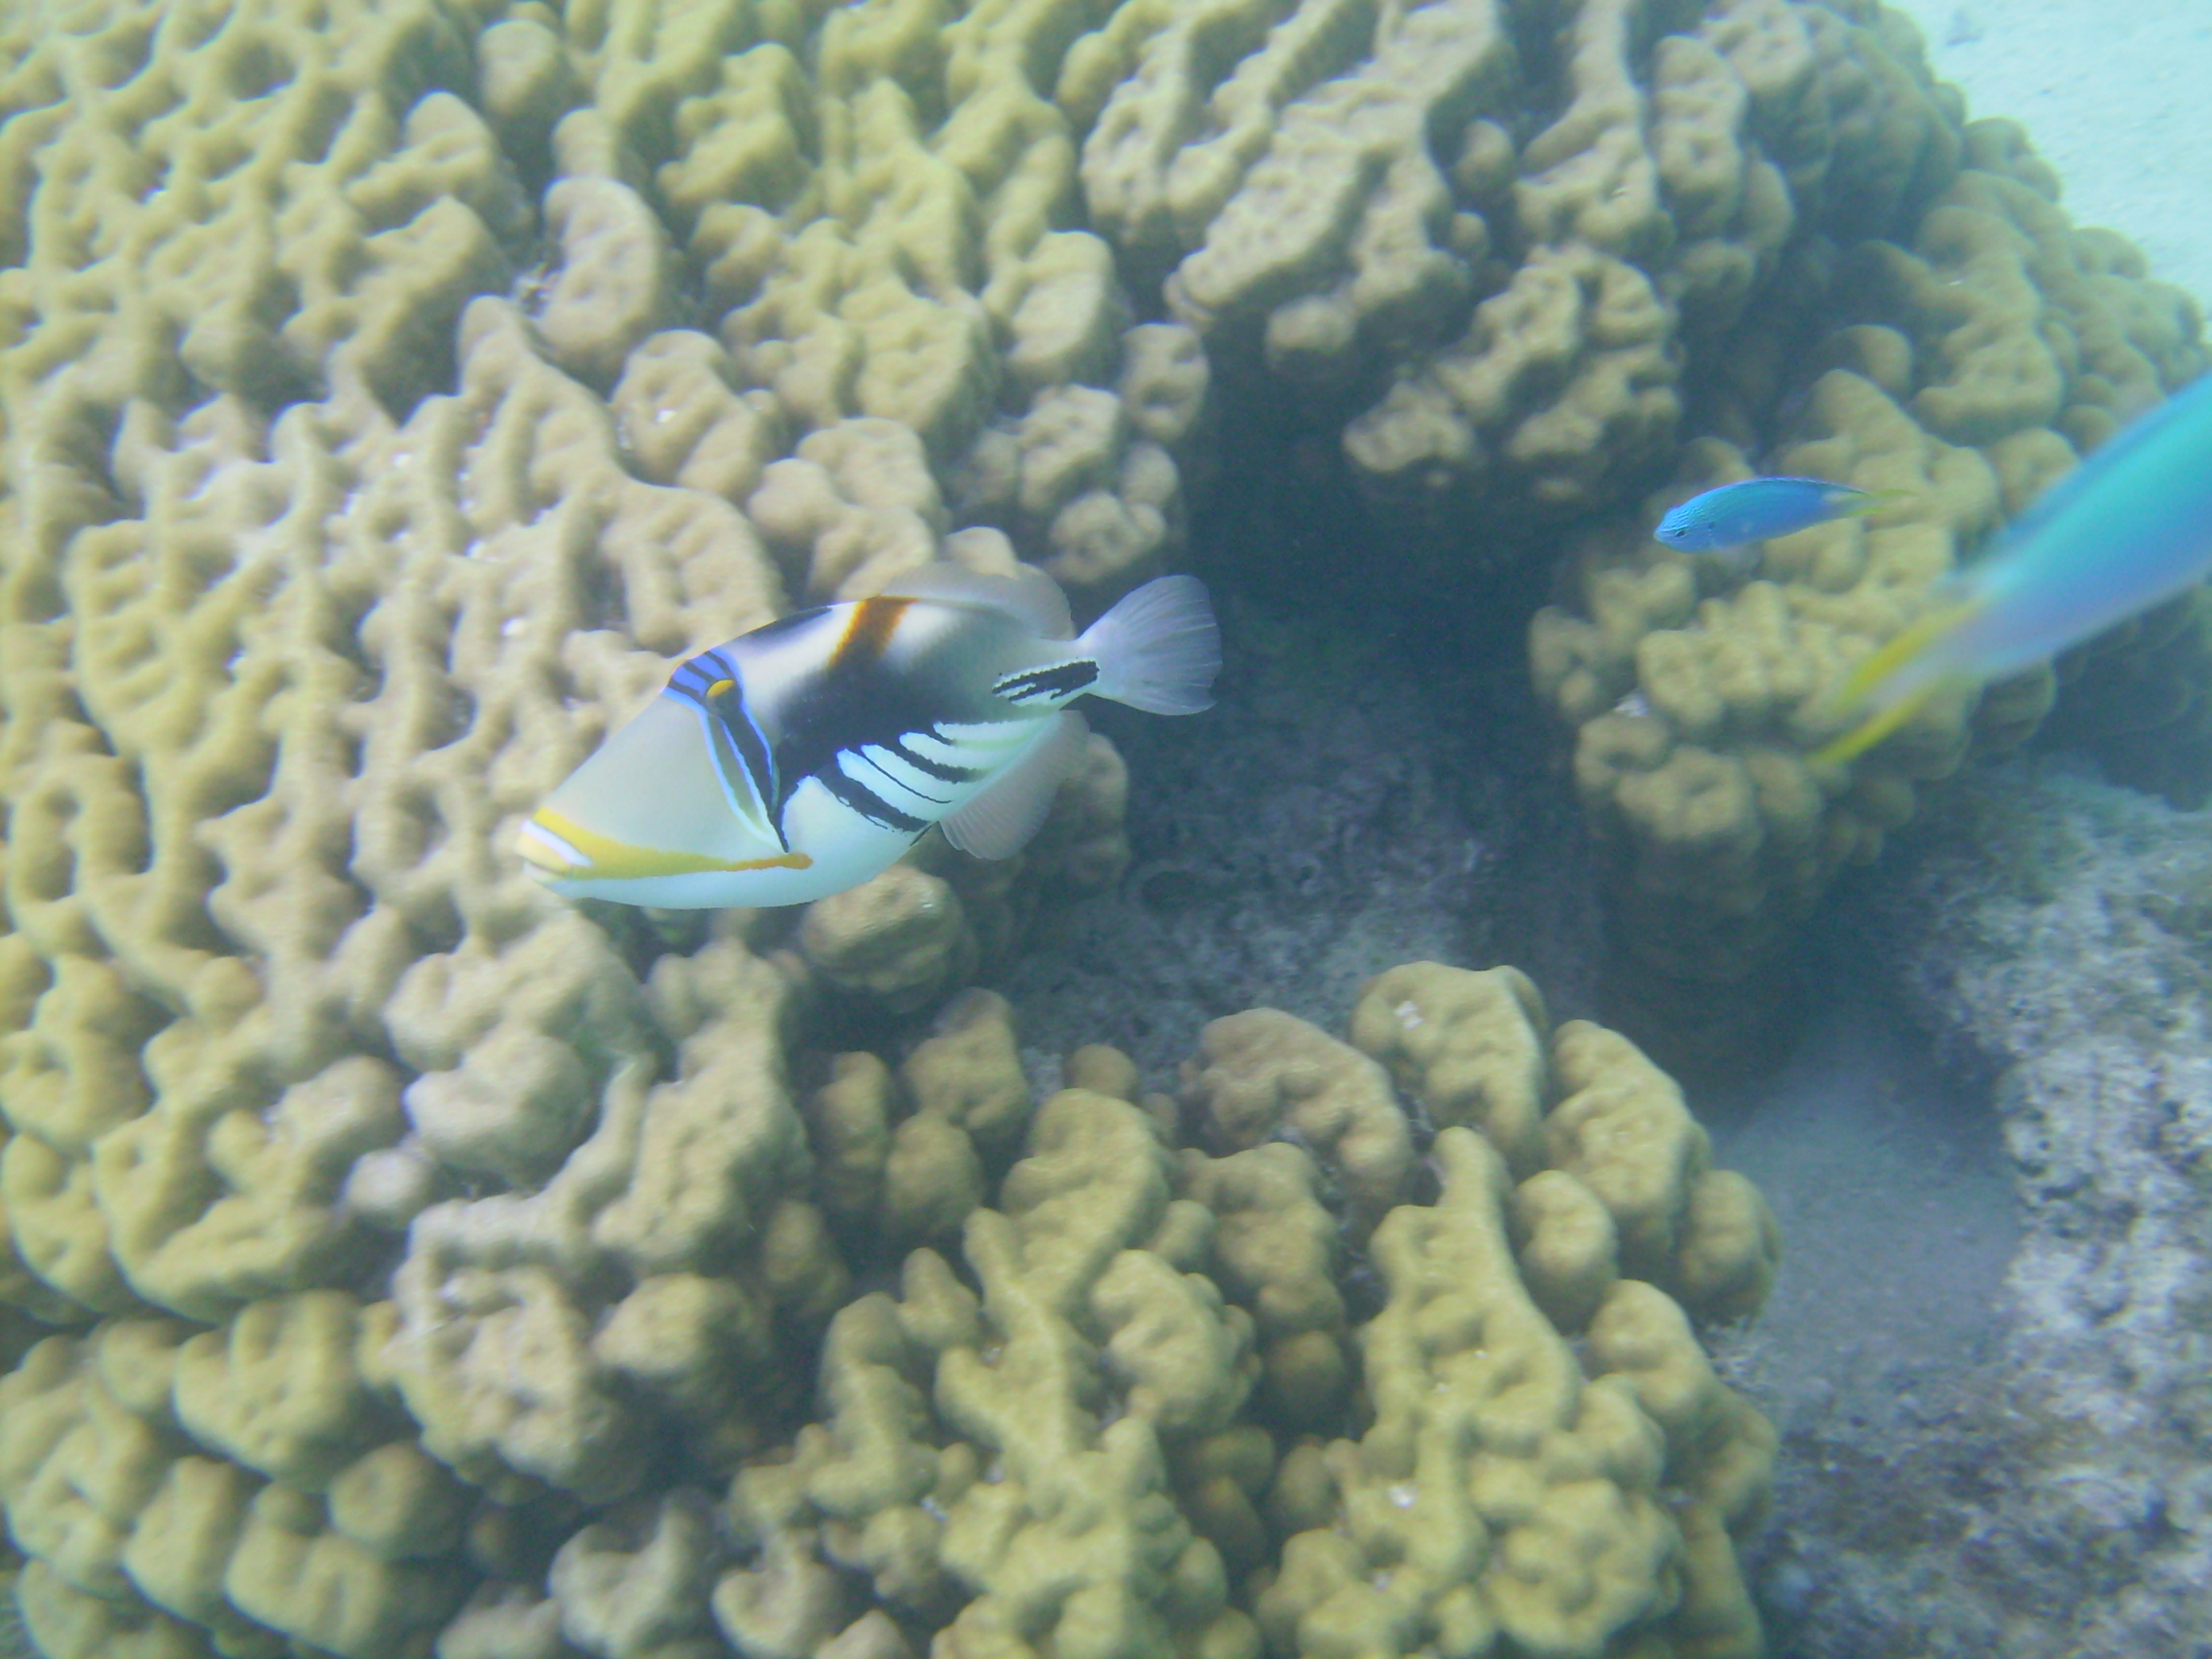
(854, 700)
(711, 680)
(856, 703)
(866, 802)
(868, 757)
(942, 770)
(1047, 684)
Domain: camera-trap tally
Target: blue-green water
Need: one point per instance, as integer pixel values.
(1120, 1249)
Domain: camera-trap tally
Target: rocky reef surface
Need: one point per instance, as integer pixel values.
(400, 1260)
(1985, 1142)
(2052, 936)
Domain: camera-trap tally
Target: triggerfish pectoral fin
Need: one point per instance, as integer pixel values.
(1905, 658)
(1000, 822)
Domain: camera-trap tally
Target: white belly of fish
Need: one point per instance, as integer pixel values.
(842, 847)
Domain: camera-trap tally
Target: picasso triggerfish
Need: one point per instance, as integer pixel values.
(1758, 509)
(2129, 526)
(805, 757)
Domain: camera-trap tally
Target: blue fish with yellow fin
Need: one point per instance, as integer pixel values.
(2130, 528)
(807, 755)
(1753, 509)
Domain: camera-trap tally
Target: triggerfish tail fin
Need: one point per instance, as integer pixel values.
(1864, 683)
(1158, 649)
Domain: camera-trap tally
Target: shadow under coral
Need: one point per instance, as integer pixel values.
(1373, 789)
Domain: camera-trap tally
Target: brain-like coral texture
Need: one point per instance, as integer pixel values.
(228, 1492)
(1494, 236)
(1966, 367)
(362, 472)
(1522, 252)
(398, 1260)
(1119, 1415)
(1119, 1402)
(745, 303)
(381, 414)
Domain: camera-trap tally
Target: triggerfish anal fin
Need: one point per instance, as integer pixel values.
(999, 823)
(1868, 679)
(548, 841)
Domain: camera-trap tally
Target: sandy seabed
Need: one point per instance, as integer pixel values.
(2113, 92)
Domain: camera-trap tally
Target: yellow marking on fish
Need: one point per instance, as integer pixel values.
(608, 860)
(1863, 736)
(867, 633)
(1903, 649)
(719, 687)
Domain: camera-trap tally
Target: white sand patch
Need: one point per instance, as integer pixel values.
(2117, 95)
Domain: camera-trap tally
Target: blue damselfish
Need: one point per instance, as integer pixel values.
(2128, 528)
(1757, 508)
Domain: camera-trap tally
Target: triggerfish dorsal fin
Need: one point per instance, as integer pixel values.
(1025, 592)
(1907, 649)
(999, 823)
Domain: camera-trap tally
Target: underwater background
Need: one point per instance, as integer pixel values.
(1479, 1144)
